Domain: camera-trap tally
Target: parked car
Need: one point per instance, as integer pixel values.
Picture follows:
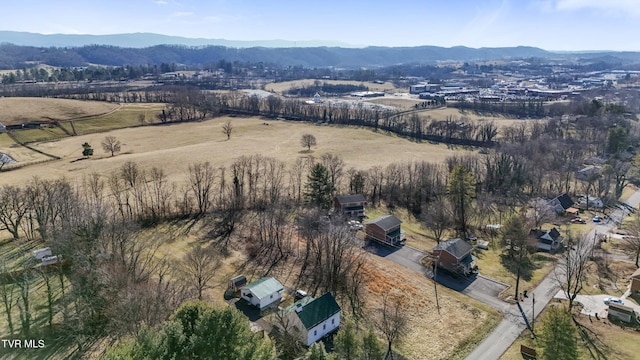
(578, 220)
(610, 300)
(597, 219)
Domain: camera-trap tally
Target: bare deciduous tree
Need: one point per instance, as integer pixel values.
(540, 212)
(199, 266)
(393, 321)
(111, 144)
(571, 271)
(13, 208)
(308, 140)
(201, 177)
(436, 216)
(227, 128)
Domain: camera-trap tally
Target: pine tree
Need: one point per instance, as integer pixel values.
(318, 187)
(558, 336)
(347, 343)
(371, 347)
(461, 190)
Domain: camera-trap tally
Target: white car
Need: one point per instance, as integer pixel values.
(610, 300)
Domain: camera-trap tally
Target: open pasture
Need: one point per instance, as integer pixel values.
(18, 110)
(174, 147)
(281, 87)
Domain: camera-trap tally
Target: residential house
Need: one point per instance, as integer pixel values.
(546, 240)
(588, 172)
(635, 282)
(591, 202)
(312, 319)
(263, 293)
(563, 204)
(385, 229)
(621, 312)
(350, 205)
(455, 255)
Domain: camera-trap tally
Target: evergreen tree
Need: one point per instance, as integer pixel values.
(87, 150)
(515, 257)
(347, 343)
(317, 352)
(318, 187)
(558, 336)
(371, 347)
(461, 190)
(198, 331)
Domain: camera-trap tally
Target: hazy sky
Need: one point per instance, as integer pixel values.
(548, 24)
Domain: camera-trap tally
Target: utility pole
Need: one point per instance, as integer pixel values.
(434, 267)
(533, 314)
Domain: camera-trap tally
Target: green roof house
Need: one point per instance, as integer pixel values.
(313, 319)
(263, 293)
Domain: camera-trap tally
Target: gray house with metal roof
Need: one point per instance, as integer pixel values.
(312, 319)
(263, 292)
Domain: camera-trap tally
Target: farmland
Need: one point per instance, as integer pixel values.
(173, 147)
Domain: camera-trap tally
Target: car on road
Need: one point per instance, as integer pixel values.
(610, 300)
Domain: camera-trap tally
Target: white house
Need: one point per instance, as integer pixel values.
(263, 292)
(312, 319)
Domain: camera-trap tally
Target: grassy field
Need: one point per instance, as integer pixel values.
(444, 113)
(18, 110)
(284, 86)
(173, 147)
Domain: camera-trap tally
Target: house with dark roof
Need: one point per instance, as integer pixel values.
(546, 240)
(385, 229)
(350, 205)
(263, 293)
(312, 319)
(562, 203)
(455, 255)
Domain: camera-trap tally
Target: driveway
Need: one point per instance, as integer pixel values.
(594, 304)
(478, 287)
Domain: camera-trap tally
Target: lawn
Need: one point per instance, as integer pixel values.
(173, 147)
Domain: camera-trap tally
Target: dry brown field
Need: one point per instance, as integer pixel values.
(283, 86)
(399, 103)
(443, 113)
(17, 110)
(174, 147)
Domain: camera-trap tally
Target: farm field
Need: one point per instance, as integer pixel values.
(443, 113)
(281, 87)
(174, 147)
(17, 110)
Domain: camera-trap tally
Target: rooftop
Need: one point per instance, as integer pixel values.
(386, 222)
(456, 247)
(264, 286)
(318, 310)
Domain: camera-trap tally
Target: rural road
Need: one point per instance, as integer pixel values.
(511, 326)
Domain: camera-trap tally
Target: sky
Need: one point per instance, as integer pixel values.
(571, 25)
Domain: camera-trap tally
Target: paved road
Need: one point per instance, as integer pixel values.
(510, 327)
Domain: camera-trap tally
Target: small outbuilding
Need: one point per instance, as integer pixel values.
(621, 312)
(263, 293)
(635, 282)
(237, 283)
(38, 254)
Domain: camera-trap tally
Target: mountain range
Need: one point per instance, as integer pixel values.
(18, 49)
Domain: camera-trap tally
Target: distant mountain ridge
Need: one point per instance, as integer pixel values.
(14, 56)
(143, 40)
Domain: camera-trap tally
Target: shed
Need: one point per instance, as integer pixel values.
(41, 253)
(635, 282)
(621, 312)
(237, 283)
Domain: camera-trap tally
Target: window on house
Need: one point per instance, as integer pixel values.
(272, 296)
(333, 321)
(324, 327)
(315, 332)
